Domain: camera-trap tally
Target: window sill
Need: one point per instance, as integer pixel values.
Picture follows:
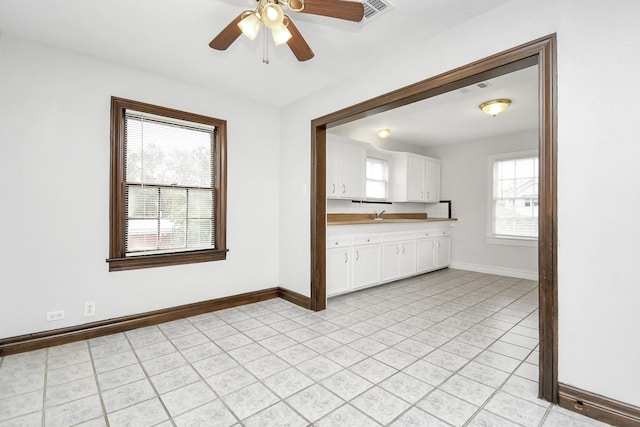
(165, 260)
(512, 241)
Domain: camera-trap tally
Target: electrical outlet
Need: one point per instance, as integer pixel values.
(55, 315)
(89, 308)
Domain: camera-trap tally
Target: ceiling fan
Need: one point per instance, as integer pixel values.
(271, 14)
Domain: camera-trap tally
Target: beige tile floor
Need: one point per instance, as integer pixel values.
(449, 348)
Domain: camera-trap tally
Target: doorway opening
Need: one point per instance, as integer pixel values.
(540, 52)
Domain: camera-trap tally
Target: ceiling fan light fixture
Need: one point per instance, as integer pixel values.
(272, 15)
(250, 25)
(280, 34)
(384, 133)
(495, 106)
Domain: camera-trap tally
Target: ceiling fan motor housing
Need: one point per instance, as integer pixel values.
(296, 5)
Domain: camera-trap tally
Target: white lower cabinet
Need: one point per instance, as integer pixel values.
(426, 254)
(366, 265)
(398, 260)
(338, 266)
(407, 258)
(352, 262)
(362, 260)
(443, 253)
(398, 256)
(434, 250)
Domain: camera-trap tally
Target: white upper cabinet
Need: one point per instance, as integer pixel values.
(415, 178)
(415, 175)
(346, 162)
(432, 180)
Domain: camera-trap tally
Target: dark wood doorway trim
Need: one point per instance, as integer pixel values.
(541, 52)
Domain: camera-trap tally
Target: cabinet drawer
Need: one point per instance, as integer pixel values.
(428, 234)
(367, 239)
(338, 242)
(396, 237)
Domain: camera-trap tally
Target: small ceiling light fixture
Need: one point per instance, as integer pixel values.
(384, 133)
(495, 106)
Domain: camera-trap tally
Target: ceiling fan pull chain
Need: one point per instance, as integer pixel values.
(265, 45)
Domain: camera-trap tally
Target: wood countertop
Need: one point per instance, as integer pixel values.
(354, 219)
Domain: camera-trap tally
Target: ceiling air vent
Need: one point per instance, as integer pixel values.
(375, 8)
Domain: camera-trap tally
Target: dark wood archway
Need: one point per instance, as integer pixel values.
(541, 52)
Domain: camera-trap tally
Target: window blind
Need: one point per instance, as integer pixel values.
(169, 185)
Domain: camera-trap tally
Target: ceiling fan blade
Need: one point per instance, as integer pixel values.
(341, 9)
(298, 44)
(228, 35)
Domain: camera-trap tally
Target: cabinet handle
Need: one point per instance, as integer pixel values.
(397, 250)
(438, 243)
(402, 248)
(357, 255)
(346, 258)
(422, 194)
(433, 245)
(344, 188)
(427, 194)
(333, 189)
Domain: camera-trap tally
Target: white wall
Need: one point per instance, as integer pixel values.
(464, 181)
(597, 162)
(54, 166)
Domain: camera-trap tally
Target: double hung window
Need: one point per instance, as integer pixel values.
(168, 187)
(514, 202)
(377, 178)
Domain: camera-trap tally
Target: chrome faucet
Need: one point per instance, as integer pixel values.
(379, 215)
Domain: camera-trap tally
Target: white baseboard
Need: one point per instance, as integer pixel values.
(491, 269)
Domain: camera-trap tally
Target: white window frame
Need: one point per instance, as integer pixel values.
(385, 180)
(492, 238)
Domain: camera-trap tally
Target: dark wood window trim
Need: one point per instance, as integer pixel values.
(117, 259)
(541, 52)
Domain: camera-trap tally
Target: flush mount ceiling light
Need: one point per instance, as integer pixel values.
(495, 106)
(271, 14)
(384, 133)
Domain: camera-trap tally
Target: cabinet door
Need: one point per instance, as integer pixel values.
(338, 270)
(390, 264)
(366, 265)
(407, 261)
(415, 178)
(444, 251)
(332, 169)
(351, 170)
(426, 258)
(432, 181)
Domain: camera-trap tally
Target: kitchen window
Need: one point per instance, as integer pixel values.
(514, 198)
(377, 179)
(168, 192)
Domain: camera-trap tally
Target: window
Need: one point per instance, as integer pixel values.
(377, 176)
(514, 204)
(168, 187)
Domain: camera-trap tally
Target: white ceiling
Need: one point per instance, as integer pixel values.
(170, 38)
(455, 116)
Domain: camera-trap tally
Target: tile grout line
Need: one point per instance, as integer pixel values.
(44, 387)
(95, 374)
